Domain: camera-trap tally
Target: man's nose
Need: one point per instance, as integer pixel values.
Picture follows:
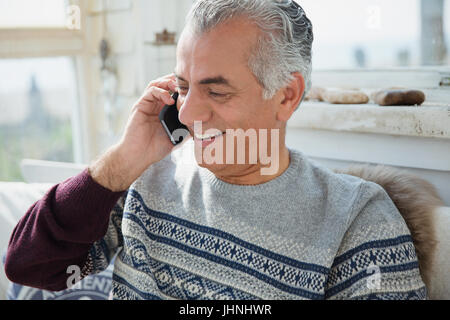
(193, 108)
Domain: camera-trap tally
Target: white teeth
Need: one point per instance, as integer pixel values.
(206, 136)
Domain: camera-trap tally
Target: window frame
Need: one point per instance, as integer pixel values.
(40, 42)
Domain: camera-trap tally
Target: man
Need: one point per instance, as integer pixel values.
(191, 228)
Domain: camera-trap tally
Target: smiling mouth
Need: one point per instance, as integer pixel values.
(208, 137)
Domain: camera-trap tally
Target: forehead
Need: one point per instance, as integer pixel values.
(222, 51)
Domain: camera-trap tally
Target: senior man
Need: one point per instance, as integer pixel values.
(191, 229)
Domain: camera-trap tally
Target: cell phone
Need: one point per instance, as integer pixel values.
(171, 124)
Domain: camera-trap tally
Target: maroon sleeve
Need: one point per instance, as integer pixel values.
(58, 231)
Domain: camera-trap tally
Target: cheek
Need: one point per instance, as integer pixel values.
(258, 116)
(236, 117)
(241, 114)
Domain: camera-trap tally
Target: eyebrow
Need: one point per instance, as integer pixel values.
(213, 80)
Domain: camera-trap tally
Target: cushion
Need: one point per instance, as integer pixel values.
(15, 200)
(93, 287)
(440, 275)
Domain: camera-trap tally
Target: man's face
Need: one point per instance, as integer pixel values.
(217, 87)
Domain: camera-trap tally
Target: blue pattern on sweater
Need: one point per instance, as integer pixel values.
(284, 273)
(307, 281)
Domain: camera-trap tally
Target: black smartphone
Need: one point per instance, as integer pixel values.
(171, 124)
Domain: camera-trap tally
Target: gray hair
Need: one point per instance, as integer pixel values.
(283, 47)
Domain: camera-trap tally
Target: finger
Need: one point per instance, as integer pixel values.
(155, 94)
(162, 80)
(166, 85)
(172, 86)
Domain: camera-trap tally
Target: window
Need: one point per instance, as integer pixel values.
(375, 44)
(32, 13)
(379, 33)
(37, 98)
(40, 113)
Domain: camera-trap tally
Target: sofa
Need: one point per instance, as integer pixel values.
(16, 198)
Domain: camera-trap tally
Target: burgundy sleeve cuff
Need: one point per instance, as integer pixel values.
(83, 207)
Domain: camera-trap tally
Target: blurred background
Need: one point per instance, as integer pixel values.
(71, 70)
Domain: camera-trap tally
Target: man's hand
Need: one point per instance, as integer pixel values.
(144, 142)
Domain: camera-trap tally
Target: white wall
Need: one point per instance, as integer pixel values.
(130, 27)
(158, 15)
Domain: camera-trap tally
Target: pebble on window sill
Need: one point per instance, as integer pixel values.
(385, 97)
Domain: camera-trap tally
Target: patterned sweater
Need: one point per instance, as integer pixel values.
(179, 232)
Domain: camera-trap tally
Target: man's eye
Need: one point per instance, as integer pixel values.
(215, 94)
(183, 89)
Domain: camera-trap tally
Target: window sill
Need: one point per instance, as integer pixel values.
(428, 120)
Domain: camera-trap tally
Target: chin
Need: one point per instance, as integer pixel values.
(226, 170)
(214, 167)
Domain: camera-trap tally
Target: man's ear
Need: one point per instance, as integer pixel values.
(291, 96)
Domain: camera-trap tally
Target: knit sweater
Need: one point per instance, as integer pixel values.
(179, 232)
